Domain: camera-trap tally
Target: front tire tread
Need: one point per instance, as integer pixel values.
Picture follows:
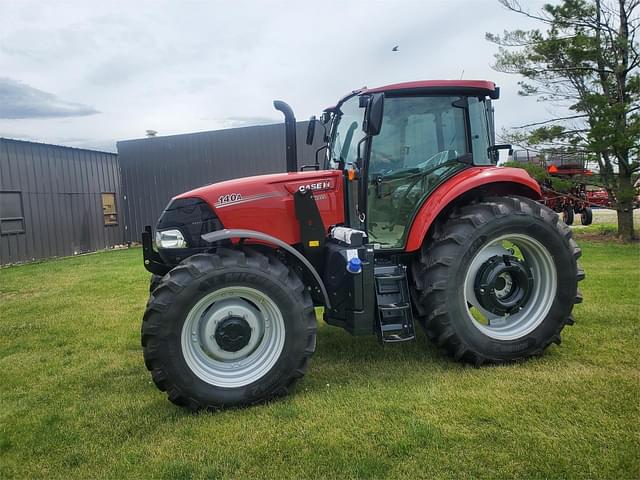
(180, 278)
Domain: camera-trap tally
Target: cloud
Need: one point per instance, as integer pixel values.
(233, 122)
(18, 100)
(158, 65)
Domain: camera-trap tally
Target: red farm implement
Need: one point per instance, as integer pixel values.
(566, 189)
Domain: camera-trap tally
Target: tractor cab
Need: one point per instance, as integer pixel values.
(403, 142)
(396, 145)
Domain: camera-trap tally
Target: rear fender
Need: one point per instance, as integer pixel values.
(471, 183)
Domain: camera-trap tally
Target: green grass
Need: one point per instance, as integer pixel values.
(609, 230)
(77, 401)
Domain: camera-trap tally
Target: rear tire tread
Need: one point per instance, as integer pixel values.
(431, 263)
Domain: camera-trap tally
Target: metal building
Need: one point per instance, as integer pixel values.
(59, 201)
(157, 168)
(56, 201)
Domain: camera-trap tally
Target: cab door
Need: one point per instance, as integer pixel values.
(423, 141)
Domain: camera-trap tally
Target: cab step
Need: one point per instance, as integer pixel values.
(395, 319)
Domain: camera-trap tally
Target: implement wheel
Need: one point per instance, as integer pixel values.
(228, 329)
(497, 281)
(568, 215)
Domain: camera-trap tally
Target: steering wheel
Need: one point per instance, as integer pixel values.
(437, 159)
(431, 164)
(384, 162)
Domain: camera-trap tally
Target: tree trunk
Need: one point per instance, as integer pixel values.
(625, 223)
(625, 207)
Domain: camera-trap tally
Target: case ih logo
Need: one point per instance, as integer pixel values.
(316, 187)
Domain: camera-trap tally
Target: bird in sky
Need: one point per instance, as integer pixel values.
(395, 49)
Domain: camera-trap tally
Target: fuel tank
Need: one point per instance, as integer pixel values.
(264, 203)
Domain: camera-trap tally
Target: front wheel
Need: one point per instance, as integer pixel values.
(586, 217)
(228, 329)
(498, 280)
(154, 281)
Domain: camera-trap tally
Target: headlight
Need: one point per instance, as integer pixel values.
(192, 217)
(170, 239)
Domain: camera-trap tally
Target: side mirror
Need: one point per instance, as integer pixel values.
(325, 119)
(311, 130)
(372, 123)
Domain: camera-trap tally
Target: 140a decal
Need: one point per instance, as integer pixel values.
(228, 198)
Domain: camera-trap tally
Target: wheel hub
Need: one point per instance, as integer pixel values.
(232, 336)
(503, 284)
(230, 329)
(233, 333)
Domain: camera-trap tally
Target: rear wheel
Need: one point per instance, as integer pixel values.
(586, 217)
(227, 329)
(497, 281)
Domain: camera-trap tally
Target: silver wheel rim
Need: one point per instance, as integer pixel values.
(518, 324)
(222, 368)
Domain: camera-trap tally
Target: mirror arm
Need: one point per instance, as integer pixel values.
(311, 130)
(492, 150)
(500, 146)
(323, 147)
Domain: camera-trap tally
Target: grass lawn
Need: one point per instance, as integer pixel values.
(77, 401)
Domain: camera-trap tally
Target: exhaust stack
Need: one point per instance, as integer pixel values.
(290, 134)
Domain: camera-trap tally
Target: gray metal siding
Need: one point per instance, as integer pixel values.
(156, 169)
(61, 195)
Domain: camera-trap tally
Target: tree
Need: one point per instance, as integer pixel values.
(586, 60)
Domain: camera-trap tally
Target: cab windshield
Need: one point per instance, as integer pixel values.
(346, 134)
(419, 133)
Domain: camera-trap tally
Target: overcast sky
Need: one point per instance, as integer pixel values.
(89, 73)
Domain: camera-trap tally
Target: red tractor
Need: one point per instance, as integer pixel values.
(406, 218)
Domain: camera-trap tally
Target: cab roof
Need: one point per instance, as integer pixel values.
(480, 87)
(485, 85)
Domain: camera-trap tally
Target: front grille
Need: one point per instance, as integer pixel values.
(193, 217)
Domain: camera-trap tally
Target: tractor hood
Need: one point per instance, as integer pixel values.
(264, 203)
